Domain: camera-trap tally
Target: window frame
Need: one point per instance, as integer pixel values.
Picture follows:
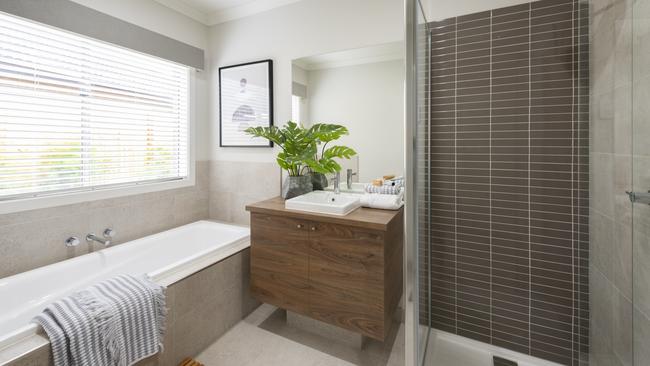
(61, 198)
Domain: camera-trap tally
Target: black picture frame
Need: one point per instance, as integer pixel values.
(269, 64)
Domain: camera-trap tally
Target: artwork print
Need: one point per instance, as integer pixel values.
(246, 100)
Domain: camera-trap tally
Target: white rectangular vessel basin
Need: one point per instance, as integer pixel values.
(324, 202)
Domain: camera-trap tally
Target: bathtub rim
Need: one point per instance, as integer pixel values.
(30, 338)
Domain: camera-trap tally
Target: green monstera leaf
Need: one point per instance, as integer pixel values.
(270, 133)
(326, 163)
(324, 132)
(300, 146)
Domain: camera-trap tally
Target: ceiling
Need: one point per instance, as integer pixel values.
(211, 12)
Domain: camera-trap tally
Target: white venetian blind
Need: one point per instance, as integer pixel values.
(78, 114)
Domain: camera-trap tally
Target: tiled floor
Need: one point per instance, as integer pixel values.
(264, 339)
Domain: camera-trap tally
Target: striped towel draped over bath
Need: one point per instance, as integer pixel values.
(117, 322)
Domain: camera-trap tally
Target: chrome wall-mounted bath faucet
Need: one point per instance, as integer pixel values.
(106, 238)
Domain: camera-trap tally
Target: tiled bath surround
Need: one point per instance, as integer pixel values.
(202, 307)
(235, 184)
(33, 239)
(509, 160)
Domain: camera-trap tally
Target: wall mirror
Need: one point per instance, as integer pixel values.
(362, 89)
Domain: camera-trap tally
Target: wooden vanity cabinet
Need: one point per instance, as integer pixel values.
(340, 270)
(279, 261)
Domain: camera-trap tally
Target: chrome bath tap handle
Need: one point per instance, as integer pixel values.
(72, 241)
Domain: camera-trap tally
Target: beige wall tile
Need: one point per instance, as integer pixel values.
(32, 239)
(233, 185)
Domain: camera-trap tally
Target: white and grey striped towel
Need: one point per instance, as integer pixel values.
(117, 322)
(394, 182)
(385, 189)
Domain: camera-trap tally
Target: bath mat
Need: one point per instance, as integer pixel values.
(190, 362)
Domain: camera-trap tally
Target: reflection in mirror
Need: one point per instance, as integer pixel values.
(362, 89)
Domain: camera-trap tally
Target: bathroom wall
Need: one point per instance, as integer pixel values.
(509, 144)
(369, 100)
(31, 239)
(640, 183)
(306, 28)
(619, 270)
(610, 213)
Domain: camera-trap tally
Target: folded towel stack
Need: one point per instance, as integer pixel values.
(394, 182)
(383, 201)
(385, 189)
(116, 322)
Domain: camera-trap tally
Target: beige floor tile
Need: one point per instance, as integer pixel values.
(264, 339)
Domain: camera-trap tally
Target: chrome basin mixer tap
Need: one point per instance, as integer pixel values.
(337, 183)
(349, 178)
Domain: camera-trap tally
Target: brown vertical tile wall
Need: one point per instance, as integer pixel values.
(422, 184)
(509, 194)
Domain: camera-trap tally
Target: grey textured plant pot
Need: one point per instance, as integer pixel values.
(319, 181)
(296, 186)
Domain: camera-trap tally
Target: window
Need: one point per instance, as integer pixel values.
(295, 109)
(81, 115)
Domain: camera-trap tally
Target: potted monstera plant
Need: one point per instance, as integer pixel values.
(323, 162)
(300, 156)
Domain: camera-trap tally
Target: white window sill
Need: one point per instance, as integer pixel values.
(62, 199)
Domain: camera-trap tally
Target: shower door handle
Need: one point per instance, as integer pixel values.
(639, 197)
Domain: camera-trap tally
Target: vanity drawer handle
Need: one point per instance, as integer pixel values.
(299, 226)
(313, 228)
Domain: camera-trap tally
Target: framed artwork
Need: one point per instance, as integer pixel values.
(246, 100)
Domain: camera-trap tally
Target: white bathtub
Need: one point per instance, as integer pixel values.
(167, 257)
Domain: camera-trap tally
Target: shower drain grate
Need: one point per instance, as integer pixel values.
(500, 361)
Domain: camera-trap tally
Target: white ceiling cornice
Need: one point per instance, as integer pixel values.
(187, 10)
(227, 14)
(237, 12)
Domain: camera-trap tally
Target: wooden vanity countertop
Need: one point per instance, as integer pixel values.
(369, 218)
